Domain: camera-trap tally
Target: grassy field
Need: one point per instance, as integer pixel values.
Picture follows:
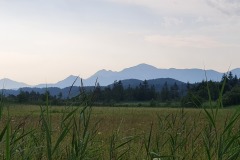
(118, 133)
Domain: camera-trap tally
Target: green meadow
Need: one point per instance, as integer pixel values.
(88, 132)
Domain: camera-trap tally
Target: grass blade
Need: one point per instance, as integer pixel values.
(3, 132)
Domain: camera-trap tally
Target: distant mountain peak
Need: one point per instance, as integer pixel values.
(7, 79)
(103, 71)
(141, 72)
(144, 65)
(7, 83)
(72, 76)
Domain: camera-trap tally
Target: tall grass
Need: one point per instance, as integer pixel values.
(221, 142)
(73, 135)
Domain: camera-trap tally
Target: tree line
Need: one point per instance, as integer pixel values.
(115, 93)
(26, 97)
(228, 89)
(192, 95)
(143, 92)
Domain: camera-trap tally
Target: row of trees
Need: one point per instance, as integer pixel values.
(199, 92)
(193, 94)
(143, 92)
(111, 94)
(35, 98)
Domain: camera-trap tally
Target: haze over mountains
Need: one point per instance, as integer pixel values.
(139, 72)
(6, 83)
(69, 92)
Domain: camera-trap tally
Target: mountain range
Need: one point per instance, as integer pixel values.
(139, 72)
(69, 92)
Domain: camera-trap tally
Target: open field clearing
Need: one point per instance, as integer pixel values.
(118, 133)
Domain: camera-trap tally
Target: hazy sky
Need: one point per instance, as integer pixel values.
(47, 40)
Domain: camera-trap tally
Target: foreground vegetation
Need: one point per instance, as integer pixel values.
(80, 131)
(51, 132)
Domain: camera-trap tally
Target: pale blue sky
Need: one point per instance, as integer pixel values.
(47, 40)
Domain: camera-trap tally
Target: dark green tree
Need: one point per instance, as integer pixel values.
(174, 92)
(118, 91)
(23, 97)
(232, 97)
(98, 95)
(165, 96)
